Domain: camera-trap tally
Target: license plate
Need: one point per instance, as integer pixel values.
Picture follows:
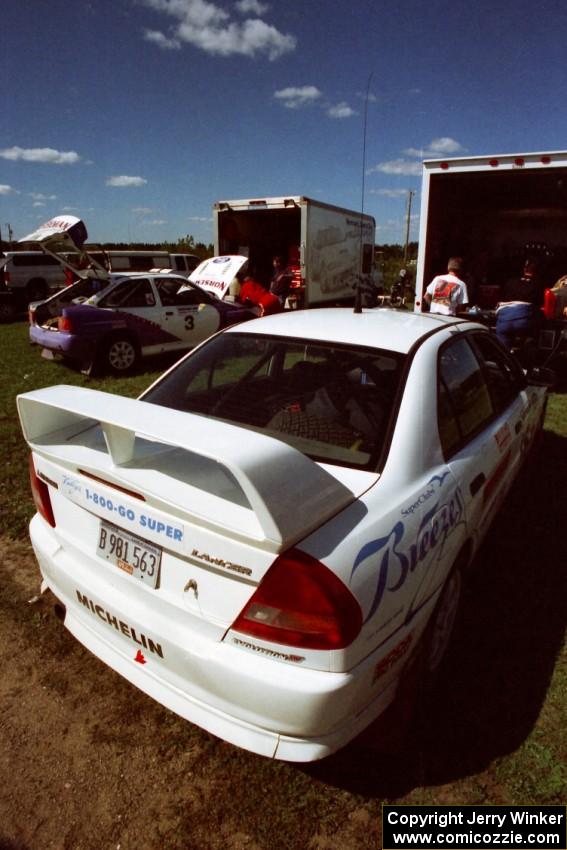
(135, 556)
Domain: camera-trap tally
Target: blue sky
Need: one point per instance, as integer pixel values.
(136, 115)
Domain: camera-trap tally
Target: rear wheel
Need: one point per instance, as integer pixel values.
(120, 355)
(7, 310)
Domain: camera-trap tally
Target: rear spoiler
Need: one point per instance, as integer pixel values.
(64, 423)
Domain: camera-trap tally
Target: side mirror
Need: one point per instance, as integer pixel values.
(539, 376)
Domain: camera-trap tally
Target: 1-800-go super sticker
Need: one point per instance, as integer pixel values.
(142, 521)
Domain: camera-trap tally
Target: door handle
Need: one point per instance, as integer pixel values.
(477, 483)
(169, 313)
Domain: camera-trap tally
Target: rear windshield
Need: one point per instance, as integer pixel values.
(333, 403)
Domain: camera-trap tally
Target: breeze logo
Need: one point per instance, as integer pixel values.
(393, 558)
(481, 827)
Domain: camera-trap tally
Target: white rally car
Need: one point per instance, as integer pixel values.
(267, 537)
(108, 324)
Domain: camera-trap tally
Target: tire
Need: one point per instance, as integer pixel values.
(440, 628)
(7, 310)
(36, 290)
(120, 355)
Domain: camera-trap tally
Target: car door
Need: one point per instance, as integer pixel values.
(482, 404)
(187, 313)
(134, 303)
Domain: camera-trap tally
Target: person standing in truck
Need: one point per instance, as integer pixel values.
(281, 280)
(518, 314)
(447, 293)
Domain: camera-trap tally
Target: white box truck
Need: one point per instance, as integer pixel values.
(495, 212)
(327, 247)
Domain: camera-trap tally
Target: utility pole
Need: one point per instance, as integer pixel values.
(411, 193)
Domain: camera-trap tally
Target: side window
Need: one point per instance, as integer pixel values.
(502, 374)
(174, 292)
(130, 293)
(464, 402)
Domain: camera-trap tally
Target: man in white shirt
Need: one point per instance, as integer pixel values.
(447, 293)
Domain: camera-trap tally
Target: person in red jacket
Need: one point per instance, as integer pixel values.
(254, 293)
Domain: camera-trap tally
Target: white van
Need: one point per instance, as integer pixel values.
(31, 275)
(143, 261)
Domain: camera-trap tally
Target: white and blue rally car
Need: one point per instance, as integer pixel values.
(267, 538)
(109, 323)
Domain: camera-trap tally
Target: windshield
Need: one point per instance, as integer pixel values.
(333, 403)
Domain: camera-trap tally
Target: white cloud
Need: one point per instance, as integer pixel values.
(413, 167)
(389, 193)
(208, 27)
(45, 155)
(398, 166)
(124, 181)
(200, 218)
(296, 96)
(78, 209)
(438, 147)
(364, 96)
(38, 204)
(39, 196)
(7, 190)
(162, 40)
(252, 7)
(341, 110)
(142, 210)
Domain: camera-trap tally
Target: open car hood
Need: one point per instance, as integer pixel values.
(217, 273)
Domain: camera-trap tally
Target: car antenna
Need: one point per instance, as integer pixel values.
(358, 294)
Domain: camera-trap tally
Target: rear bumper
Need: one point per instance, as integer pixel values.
(66, 344)
(271, 708)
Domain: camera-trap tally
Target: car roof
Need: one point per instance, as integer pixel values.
(113, 276)
(394, 330)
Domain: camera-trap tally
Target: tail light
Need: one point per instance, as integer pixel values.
(301, 603)
(40, 493)
(64, 324)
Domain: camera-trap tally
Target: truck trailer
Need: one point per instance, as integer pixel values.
(327, 248)
(494, 212)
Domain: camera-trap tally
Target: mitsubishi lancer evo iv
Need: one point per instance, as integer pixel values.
(278, 528)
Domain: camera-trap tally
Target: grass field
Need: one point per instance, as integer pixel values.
(495, 729)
